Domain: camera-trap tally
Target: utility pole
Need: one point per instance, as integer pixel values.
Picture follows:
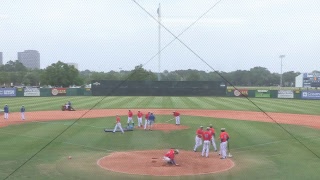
(281, 57)
(159, 45)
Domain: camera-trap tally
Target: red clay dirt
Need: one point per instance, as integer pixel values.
(282, 118)
(151, 163)
(190, 162)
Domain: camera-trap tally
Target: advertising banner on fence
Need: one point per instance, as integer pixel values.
(285, 94)
(240, 92)
(8, 92)
(310, 95)
(59, 91)
(29, 91)
(262, 93)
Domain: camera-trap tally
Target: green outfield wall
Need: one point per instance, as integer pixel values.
(150, 89)
(158, 88)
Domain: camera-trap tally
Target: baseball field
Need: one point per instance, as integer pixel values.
(282, 142)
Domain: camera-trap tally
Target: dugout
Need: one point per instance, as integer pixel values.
(158, 88)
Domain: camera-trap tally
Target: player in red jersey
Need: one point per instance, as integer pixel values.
(198, 138)
(169, 156)
(224, 137)
(118, 125)
(177, 117)
(146, 118)
(207, 136)
(130, 120)
(139, 115)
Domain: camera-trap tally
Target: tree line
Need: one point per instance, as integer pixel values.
(60, 74)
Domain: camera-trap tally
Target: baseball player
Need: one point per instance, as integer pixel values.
(118, 125)
(169, 156)
(151, 120)
(22, 110)
(177, 117)
(139, 116)
(198, 138)
(213, 140)
(224, 137)
(66, 105)
(207, 136)
(130, 120)
(146, 120)
(6, 111)
(70, 108)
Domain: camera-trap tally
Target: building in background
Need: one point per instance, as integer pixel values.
(1, 59)
(75, 65)
(30, 59)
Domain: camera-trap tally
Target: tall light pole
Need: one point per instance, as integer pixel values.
(281, 57)
(159, 45)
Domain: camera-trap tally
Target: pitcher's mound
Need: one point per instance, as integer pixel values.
(151, 163)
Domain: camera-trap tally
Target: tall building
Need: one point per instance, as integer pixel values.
(1, 59)
(30, 59)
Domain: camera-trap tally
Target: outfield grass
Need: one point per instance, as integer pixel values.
(260, 150)
(222, 103)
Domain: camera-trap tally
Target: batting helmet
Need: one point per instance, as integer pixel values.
(176, 151)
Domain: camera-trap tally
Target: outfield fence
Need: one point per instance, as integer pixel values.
(164, 89)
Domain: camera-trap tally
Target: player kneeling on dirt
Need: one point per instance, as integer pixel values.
(169, 156)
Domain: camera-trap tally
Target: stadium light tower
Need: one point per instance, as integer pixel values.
(281, 57)
(159, 45)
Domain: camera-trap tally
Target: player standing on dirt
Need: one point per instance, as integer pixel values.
(139, 115)
(198, 138)
(118, 125)
(224, 137)
(146, 120)
(22, 110)
(213, 140)
(151, 120)
(177, 117)
(169, 156)
(130, 120)
(207, 136)
(6, 111)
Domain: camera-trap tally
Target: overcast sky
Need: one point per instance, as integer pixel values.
(104, 35)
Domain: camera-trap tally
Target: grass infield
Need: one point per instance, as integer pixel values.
(260, 150)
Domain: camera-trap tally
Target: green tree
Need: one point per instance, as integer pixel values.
(13, 66)
(260, 76)
(140, 74)
(31, 78)
(289, 78)
(193, 75)
(61, 75)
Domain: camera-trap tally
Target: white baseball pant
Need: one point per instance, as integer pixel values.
(118, 125)
(213, 143)
(166, 159)
(145, 123)
(22, 115)
(177, 119)
(139, 121)
(205, 148)
(223, 149)
(130, 120)
(198, 143)
(6, 115)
